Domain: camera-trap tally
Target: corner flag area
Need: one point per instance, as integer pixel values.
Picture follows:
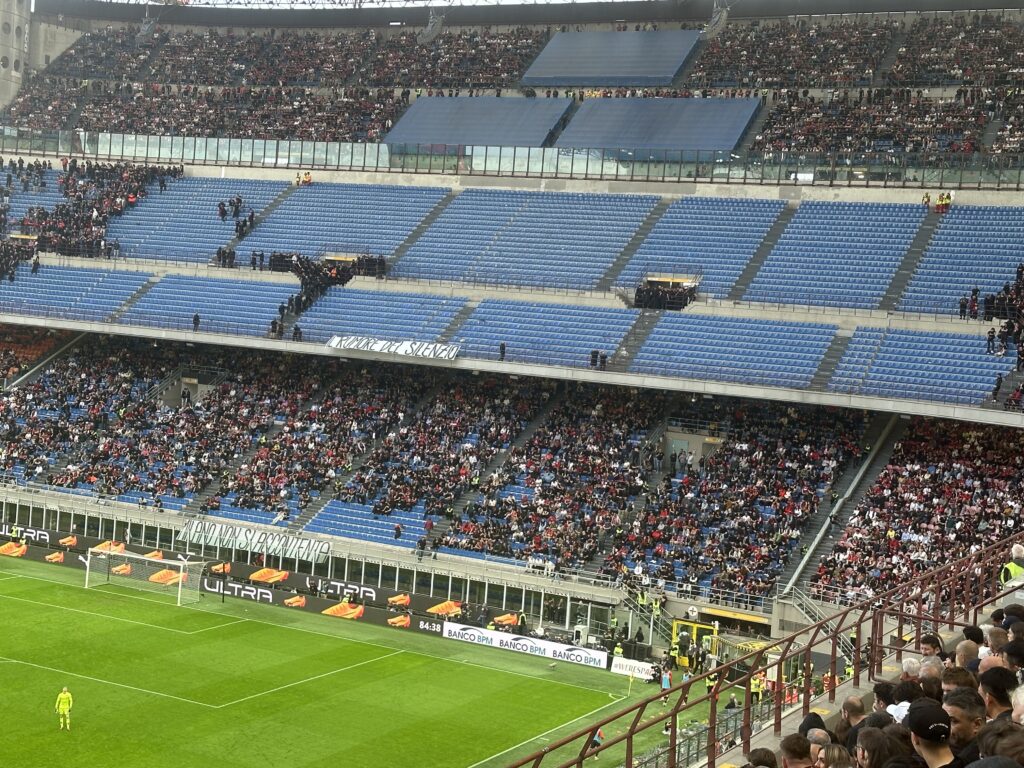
(239, 684)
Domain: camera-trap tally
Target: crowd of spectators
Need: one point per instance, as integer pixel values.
(731, 520)
(352, 114)
(93, 193)
(319, 444)
(982, 50)
(784, 55)
(443, 450)
(464, 59)
(875, 120)
(22, 345)
(959, 710)
(950, 489)
(561, 496)
(672, 297)
(73, 400)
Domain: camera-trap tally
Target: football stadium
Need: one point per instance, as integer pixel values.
(492, 385)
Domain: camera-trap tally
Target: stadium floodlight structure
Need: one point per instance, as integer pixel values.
(178, 580)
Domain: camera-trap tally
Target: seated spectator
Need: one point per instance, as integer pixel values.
(966, 710)
(995, 686)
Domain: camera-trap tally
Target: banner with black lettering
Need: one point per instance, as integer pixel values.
(249, 539)
(404, 348)
(509, 641)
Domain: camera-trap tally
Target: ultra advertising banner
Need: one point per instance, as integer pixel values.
(532, 646)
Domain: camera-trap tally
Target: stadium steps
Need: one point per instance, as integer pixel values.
(143, 290)
(463, 314)
(911, 259)
(1010, 382)
(260, 217)
(755, 126)
(883, 438)
(991, 132)
(758, 259)
(831, 359)
(444, 525)
(634, 339)
(608, 280)
(682, 77)
(424, 225)
(889, 58)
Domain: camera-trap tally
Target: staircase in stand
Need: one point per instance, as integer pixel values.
(145, 288)
(608, 280)
(260, 217)
(761, 254)
(831, 359)
(634, 340)
(910, 262)
(448, 334)
(424, 225)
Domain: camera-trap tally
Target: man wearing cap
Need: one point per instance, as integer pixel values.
(929, 733)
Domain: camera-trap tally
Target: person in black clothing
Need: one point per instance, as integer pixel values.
(501, 351)
(195, 322)
(963, 307)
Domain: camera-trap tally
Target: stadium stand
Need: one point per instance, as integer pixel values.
(68, 292)
(48, 419)
(954, 49)
(49, 195)
(464, 59)
(612, 58)
(710, 237)
(182, 224)
(478, 121)
(919, 365)
(837, 254)
(417, 473)
(560, 496)
(556, 240)
(555, 334)
(732, 523)
(224, 306)
(344, 218)
(674, 125)
(294, 464)
(379, 314)
(780, 55)
(22, 346)
(743, 350)
(880, 120)
(973, 247)
(917, 513)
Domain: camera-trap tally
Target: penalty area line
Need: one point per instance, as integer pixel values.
(308, 679)
(540, 736)
(108, 682)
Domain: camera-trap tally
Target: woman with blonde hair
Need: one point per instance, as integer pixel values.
(833, 756)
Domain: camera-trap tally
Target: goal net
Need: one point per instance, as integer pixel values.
(178, 580)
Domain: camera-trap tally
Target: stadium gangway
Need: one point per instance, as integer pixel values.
(965, 586)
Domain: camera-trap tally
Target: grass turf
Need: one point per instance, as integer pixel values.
(239, 684)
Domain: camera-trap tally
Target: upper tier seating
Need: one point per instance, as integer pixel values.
(919, 365)
(381, 314)
(224, 306)
(837, 254)
(344, 218)
(552, 240)
(767, 352)
(69, 292)
(554, 334)
(973, 247)
(715, 236)
(182, 223)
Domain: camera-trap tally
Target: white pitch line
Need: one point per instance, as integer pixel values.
(540, 736)
(9, 576)
(110, 682)
(93, 613)
(309, 679)
(217, 626)
(341, 637)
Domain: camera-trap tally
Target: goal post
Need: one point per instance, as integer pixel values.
(178, 580)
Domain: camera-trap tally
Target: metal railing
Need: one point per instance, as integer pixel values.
(774, 168)
(967, 585)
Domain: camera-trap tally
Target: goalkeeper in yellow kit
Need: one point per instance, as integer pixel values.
(63, 708)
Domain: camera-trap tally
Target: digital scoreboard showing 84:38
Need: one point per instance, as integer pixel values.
(431, 626)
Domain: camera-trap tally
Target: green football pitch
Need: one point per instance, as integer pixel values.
(235, 684)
